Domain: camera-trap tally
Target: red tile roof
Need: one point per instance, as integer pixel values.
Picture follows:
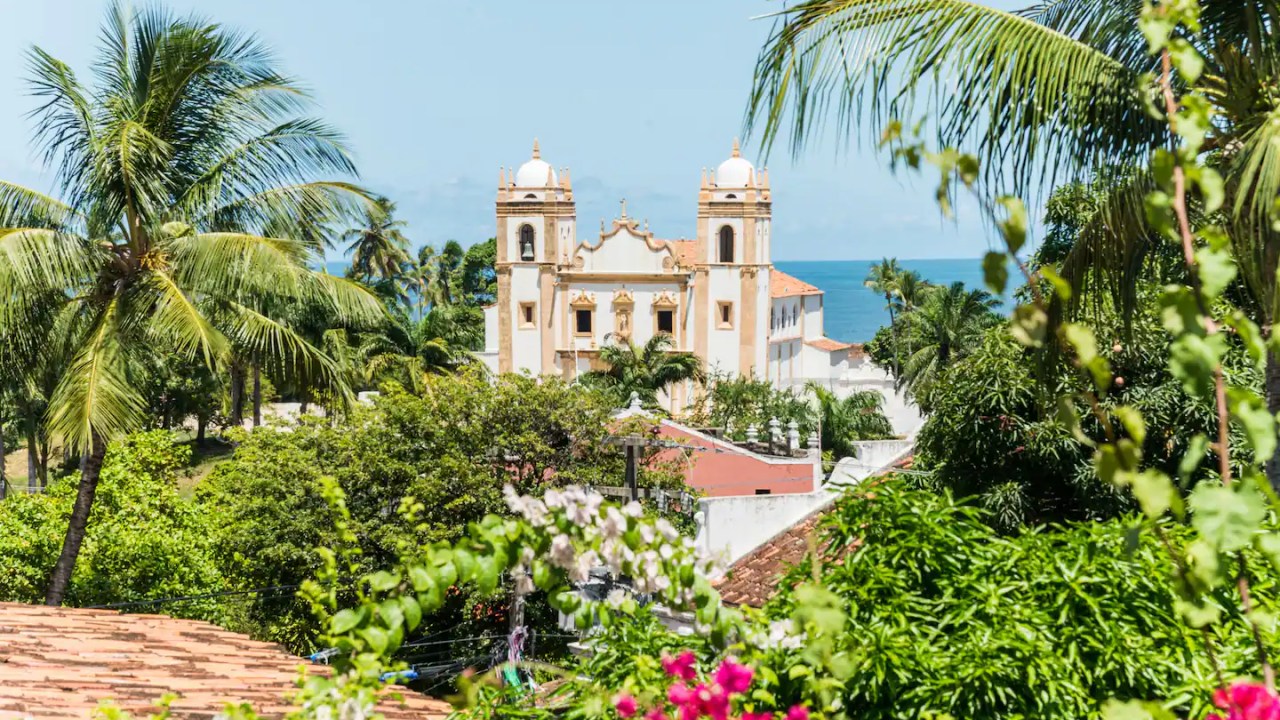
(783, 285)
(753, 579)
(61, 662)
(686, 252)
(828, 344)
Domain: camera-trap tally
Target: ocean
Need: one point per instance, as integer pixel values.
(853, 311)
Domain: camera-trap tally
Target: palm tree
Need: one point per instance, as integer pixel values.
(409, 349)
(883, 279)
(844, 421)
(378, 248)
(911, 290)
(947, 327)
(171, 169)
(644, 371)
(1053, 92)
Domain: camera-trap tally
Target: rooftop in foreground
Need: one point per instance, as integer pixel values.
(61, 662)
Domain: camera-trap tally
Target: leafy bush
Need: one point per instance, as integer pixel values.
(145, 540)
(945, 616)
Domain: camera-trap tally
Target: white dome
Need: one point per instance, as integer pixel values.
(737, 171)
(535, 172)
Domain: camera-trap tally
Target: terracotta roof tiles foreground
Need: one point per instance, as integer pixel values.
(61, 662)
(828, 344)
(784, 285)
(754, 578)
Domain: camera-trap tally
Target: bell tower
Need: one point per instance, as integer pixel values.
(732, 281)
(536, 231)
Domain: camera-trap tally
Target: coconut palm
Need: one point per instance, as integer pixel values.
(171, 168)
(378, 248)
(645, 371)
(408, 349)
(844, 421)
(946, 327)
(910, 290)
(882, 279)
(1053, 92)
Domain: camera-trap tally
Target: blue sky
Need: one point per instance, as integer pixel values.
(636, 98)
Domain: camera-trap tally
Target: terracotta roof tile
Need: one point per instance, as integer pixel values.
(686, 252)
(784, 285)
(753, 579)
(61, 662)
(828, 344)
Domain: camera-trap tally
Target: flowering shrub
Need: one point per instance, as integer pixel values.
(1246, 701)
(691, 696)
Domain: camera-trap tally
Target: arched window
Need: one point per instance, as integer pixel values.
(526, 242)
(726, 244)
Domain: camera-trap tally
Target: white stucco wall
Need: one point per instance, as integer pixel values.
(813, 317)
(526, 345)
(723, 346)
(731, 527)
(625, 251)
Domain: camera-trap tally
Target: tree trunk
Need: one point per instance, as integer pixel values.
(202, 424)
(33, 462)
(1273, 405)
(893, 331)
(237, 394)
(4, 476)
(61, 576)
(44, 463)
(257, 395)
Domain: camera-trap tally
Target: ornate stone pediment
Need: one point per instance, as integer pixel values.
(624, 296)
(582, 298)
(666, 298)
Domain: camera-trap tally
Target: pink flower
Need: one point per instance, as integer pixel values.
(734, 677)
(625, 705)
(682, 667)
(798, 712)
(712, 701)
(1247, 701)
(655, 713)
(757, 716)
(680, 695)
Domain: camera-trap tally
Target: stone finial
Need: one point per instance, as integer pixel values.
(753, 434)
(793, 435)
(537, 154)
(775, 428)
(564, 179)
(814, 442)
(634, 405)
(502, 176)
(737, 152)
(623, 202)
(551, 179)
(704, 179)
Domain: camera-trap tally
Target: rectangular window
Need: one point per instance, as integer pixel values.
(667, 321)
(526, 315)
(724, 315)
(761, 491)
(582, 322)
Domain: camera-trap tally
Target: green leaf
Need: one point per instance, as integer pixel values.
(995, 270)
(1197, 446)
(412, 611)
(376, 637)
(1197, 614)
(1014, 227)
(1029, 325)
(1061, 287)
(1226, 517)
(1187, 60)
(1250, 335)
(391, 613)
(1216, 269)
(344, 621)
(1269, 545)
(1155, 492)
(1133, 423)
(383, 581)
(1249, 410)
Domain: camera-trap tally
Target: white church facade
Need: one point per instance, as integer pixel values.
(561, 299)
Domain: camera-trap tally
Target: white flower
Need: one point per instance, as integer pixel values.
(647, 534)
(324, 712)
(524, 583)
(616, 597)
(562, 551)
(667, 529)
(782, 633)
(553, 498)
(632, 509)
(581, 569)
(614, 524)
(353, 709)
(666, 552)
(582, 509)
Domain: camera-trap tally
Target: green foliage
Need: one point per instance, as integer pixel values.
(645, 371)
(737, 402)
(145, 539)
(844, 421)
(452, 447)
(945, 616)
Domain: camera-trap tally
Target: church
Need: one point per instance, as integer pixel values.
(717, 295)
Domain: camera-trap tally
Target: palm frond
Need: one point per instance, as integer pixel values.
(95, 397)
(23, 207)
(1030, 101)
(176, 322)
